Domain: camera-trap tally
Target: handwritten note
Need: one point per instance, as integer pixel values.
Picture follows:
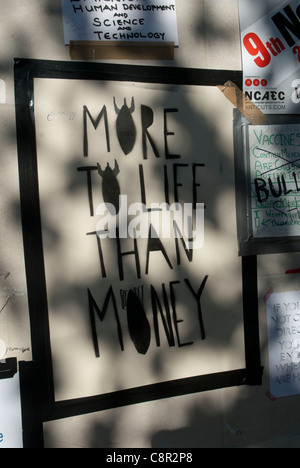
(275, 180)
(125, 20)
(283, 311)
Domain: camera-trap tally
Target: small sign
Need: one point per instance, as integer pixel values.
(275, 180)
(10, 413)
(283, 310)
(125, 21)
(270, 34)
(268, 184)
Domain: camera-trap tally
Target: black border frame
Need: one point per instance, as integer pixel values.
(248, 244)
(39, 373)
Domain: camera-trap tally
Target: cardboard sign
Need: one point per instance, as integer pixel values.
(138, 21)
(270, 33)
(283, 311)
(275, 180)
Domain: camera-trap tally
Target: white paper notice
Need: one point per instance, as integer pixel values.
(284, 343)
(10, 413)
(120, 20)
(275, 180)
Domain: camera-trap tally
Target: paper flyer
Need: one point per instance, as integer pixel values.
(270, 37)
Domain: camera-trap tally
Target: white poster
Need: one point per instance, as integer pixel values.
(138, 295)
(270, 31)
(110, 20)
(275, 180)
(283, 311)
(10, 413)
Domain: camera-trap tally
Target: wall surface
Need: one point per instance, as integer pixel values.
(234, 417)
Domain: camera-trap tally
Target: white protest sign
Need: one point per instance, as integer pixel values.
(120, 20)
(283, 310)
(275, 180)
(270, 31)
(131, 292)
(10, 413)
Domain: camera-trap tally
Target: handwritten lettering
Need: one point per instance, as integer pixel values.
(153, 311)
(284, 343)
(275, 168)
(111, 20)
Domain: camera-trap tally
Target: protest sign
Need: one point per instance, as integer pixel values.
(270, 35)
(275, 180)
(283, 311)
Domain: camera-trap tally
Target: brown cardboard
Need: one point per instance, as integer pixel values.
(243, 103)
